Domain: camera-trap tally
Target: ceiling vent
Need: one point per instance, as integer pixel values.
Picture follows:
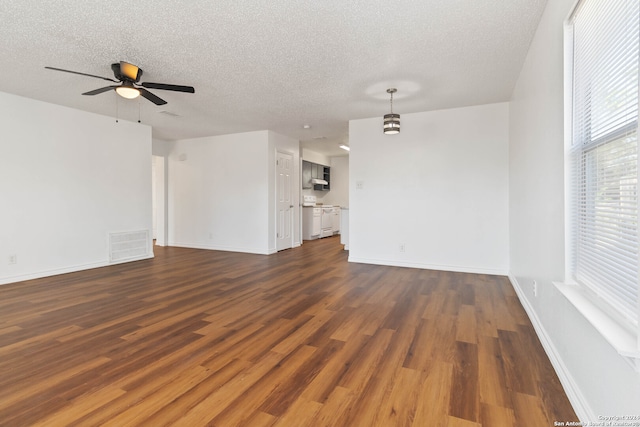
(169, 113)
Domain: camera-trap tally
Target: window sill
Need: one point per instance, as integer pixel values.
(620, 337)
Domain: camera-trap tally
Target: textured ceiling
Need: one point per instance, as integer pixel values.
(277, 64)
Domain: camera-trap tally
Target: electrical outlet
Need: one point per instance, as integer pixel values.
(535, 288)
(401, 248)
(359, 185)
(13, 259)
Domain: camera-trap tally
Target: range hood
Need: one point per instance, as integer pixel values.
(319, 181)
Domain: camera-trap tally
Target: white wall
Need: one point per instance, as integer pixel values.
(222, 191)
(160, 150)
(339, 193)
(315, 157)
(597, 380)
(440, 187)
(67, 179)
(159, 200)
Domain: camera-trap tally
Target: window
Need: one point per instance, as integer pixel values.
(604, 155)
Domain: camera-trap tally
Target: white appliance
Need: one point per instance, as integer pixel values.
(327, 221)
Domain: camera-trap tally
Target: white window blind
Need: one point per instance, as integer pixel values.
(604, 152)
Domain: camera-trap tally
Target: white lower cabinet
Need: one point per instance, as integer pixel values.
(311, 223)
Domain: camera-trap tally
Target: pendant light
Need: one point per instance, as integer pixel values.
(391, 121)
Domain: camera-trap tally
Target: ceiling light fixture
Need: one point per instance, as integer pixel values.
(391, 121)
(345, 147)
(128, 91)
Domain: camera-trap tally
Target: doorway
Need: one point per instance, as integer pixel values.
(284, 201)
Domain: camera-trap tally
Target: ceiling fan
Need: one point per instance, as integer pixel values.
(128, 76)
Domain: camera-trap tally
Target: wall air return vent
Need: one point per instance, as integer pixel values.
(128, 246)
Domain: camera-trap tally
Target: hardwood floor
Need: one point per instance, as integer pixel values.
(298, 338)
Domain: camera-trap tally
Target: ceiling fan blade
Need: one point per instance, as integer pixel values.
(163, 86)
(82, 74)
(130, 71)
(101, 90)
(151, 97)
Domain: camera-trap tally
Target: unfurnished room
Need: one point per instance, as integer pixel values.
(230, 213)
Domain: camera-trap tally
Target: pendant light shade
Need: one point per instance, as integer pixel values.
(391, 124)
(127, 91)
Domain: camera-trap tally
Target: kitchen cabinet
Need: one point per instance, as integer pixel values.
(324, 172)
(311, 223)
(311, 171)
(306, 175)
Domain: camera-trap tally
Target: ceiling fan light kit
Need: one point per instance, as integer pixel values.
(128, 92)
(128, 75)
(391, 123)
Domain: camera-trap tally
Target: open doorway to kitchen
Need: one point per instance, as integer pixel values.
(325, 204)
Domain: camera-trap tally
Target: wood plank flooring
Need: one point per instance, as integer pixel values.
(298, 338)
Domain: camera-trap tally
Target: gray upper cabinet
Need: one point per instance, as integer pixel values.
(306, 174)
(312, 171)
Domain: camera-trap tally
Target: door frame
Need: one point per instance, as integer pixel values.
(159, 187)
(294, 188)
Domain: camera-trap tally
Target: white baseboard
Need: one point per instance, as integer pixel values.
(58, 271)
(576, 398)
(223, 248)
(424, 266)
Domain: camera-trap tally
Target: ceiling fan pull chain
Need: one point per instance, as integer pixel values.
(116, 109)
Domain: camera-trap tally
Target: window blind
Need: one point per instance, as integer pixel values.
(604, 151)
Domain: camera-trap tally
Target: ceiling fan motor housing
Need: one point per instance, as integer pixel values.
(126, 72)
